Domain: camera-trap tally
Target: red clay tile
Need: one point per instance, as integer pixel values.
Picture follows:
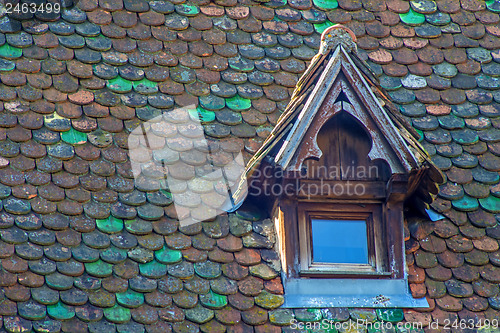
(402, 31)
(420, 69)
(380, 57)
(398, 6)
(376, 29)
(438, 110)
(99, 16)
(404, 56)
(427, 95)
(470, 67)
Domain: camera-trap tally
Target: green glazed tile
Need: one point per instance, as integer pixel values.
(10, 52)
(412, 17)
(99, 268)
(421, 135)
(391, 315)
(466, 204)
(153, 269)
(493, 5)
(130, 299)
(168, 256)
(60, 311)
(205, 116)
(119, 85)
(213, 300)
(74, 137)
(320, 27)
(117, 314)
(326, 4)
(238, 103)
(7, 65)
(110, 225)
(188, 10)
(491, 204)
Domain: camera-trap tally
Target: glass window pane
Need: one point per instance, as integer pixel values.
(339, 241)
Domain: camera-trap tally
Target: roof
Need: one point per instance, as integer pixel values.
(73, 86)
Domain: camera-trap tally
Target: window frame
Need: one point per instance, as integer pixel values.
(371, 213)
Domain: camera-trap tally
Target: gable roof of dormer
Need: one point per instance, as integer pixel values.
(336, 69)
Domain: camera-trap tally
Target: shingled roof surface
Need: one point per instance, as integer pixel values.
(83, 249)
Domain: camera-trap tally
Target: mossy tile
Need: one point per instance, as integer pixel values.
(326, 4)
(281, 317)
(199, 314)
(424, 6)
(10, 52)
(119, 85)
(269, 301)
(168, 256)
(60, 311)
(320, 27)
(466, 204)
(202, 115)
(99, 268)
(390, 315)
(238, 103)
(491, 204)
(412, 17)
(493, 5)
(208, 269)
(153, 269)
(110, 225)
(213, 300)
(74, 137)
(117, 314)
(130, 299)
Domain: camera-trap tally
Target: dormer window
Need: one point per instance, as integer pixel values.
(341, 240)
(349, 167)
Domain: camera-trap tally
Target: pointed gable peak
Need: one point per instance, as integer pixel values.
(335, 36)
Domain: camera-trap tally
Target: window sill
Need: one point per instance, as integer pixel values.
(368, 293)
(359, 274)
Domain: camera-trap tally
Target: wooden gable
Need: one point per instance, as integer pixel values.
(341, 89)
